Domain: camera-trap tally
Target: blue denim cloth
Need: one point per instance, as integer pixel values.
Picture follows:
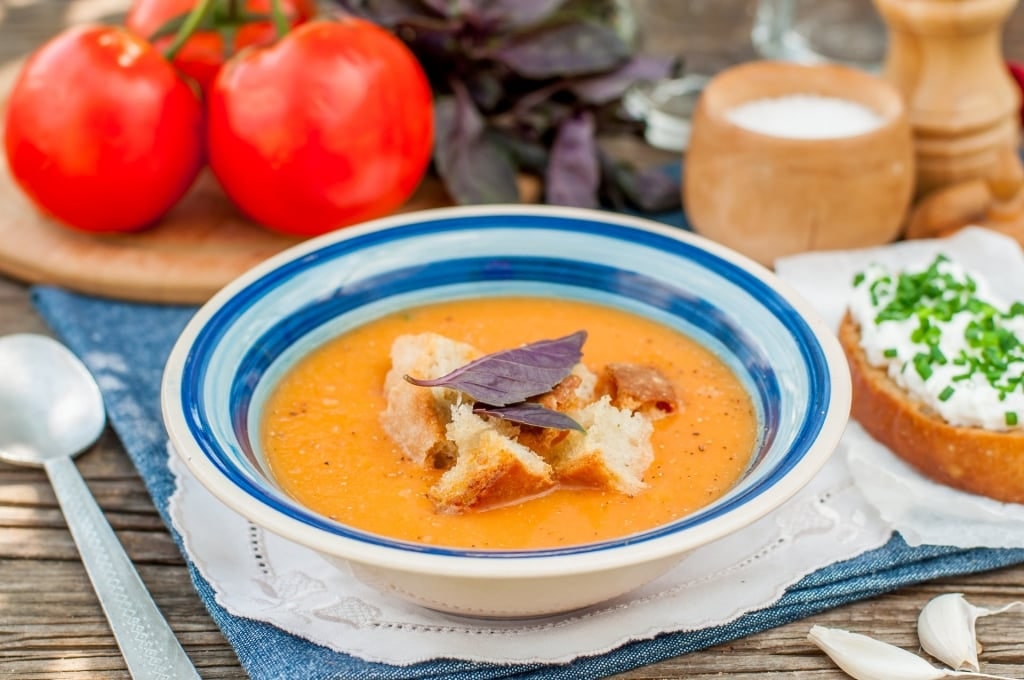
(141, 337)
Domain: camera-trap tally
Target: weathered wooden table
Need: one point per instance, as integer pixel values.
(51, 625)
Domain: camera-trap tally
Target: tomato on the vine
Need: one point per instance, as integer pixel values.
(102, 132)
(204, 52)
(330, 126)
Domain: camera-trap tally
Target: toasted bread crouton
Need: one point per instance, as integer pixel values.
(613, 453)
(585, 391)
(570, 395)
(639, 388)
(490, 461)
(574, 392)
(416, 417)
(491, 469)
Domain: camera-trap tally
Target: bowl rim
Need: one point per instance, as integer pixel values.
(499, 563)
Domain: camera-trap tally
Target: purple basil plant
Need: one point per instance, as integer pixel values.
(525, 86)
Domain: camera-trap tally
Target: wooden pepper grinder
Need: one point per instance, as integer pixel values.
(945, 57)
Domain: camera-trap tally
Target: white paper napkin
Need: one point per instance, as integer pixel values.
(923, 511)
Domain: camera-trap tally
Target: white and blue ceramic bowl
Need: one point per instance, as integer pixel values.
(246, 337)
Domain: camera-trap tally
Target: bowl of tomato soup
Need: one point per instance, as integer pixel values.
(277, 396)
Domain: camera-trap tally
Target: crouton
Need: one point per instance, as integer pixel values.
(491, 468)
(572, 394)
(613, 453)
(416, 417)
(489, 461)
(639, 388)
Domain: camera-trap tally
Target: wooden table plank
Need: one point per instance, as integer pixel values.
(51, 625)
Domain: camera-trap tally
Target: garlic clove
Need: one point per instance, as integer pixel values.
(866, 658)
(946, 629)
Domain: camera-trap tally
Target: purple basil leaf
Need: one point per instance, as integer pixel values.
(534, 98)
(387, 13)
(485, 88)
(574, 172)
(450, 8)
(543, 119)
(473, 167)
(563, 50)
(654, 190)
(512, 14)
(530, 413)
(611, 86)
(529, 155)
(433, 42)
(650, 189)
(513, 375)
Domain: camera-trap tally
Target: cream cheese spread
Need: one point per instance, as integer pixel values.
(944, 338)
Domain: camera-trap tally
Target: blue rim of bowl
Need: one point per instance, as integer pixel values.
(196, 362)
(636, 287)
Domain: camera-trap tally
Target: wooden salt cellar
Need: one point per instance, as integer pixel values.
(945, 57)
(769, 196)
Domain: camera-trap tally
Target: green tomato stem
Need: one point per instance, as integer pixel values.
(235, 14)
(192, 22)
(281, 24)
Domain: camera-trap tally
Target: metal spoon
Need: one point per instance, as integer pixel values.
(50, 411)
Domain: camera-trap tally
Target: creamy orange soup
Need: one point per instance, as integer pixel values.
(325, 446)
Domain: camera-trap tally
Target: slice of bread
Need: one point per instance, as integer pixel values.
(971, 459)
(492, 468)
(613, 453)
(416, 417)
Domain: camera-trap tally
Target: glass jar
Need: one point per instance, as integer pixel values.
(706, 37)
(815, 31)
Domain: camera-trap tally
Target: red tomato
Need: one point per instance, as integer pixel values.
(330, 126)
(102, 132)
(204, 53)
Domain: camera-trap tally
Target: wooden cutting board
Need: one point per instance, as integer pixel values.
(201, 245)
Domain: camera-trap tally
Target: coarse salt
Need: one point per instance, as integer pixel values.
(805, 116)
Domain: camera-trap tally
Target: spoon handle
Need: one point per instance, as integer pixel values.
(147, 643)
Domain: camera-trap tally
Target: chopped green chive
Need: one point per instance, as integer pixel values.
(1011, 418)
(928, 301)
(945, 394)
(923, 366)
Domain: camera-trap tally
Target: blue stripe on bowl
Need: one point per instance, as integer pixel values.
(622, 282)
(694, 311)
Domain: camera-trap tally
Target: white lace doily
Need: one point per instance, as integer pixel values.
(923, 511)
(261, 576)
